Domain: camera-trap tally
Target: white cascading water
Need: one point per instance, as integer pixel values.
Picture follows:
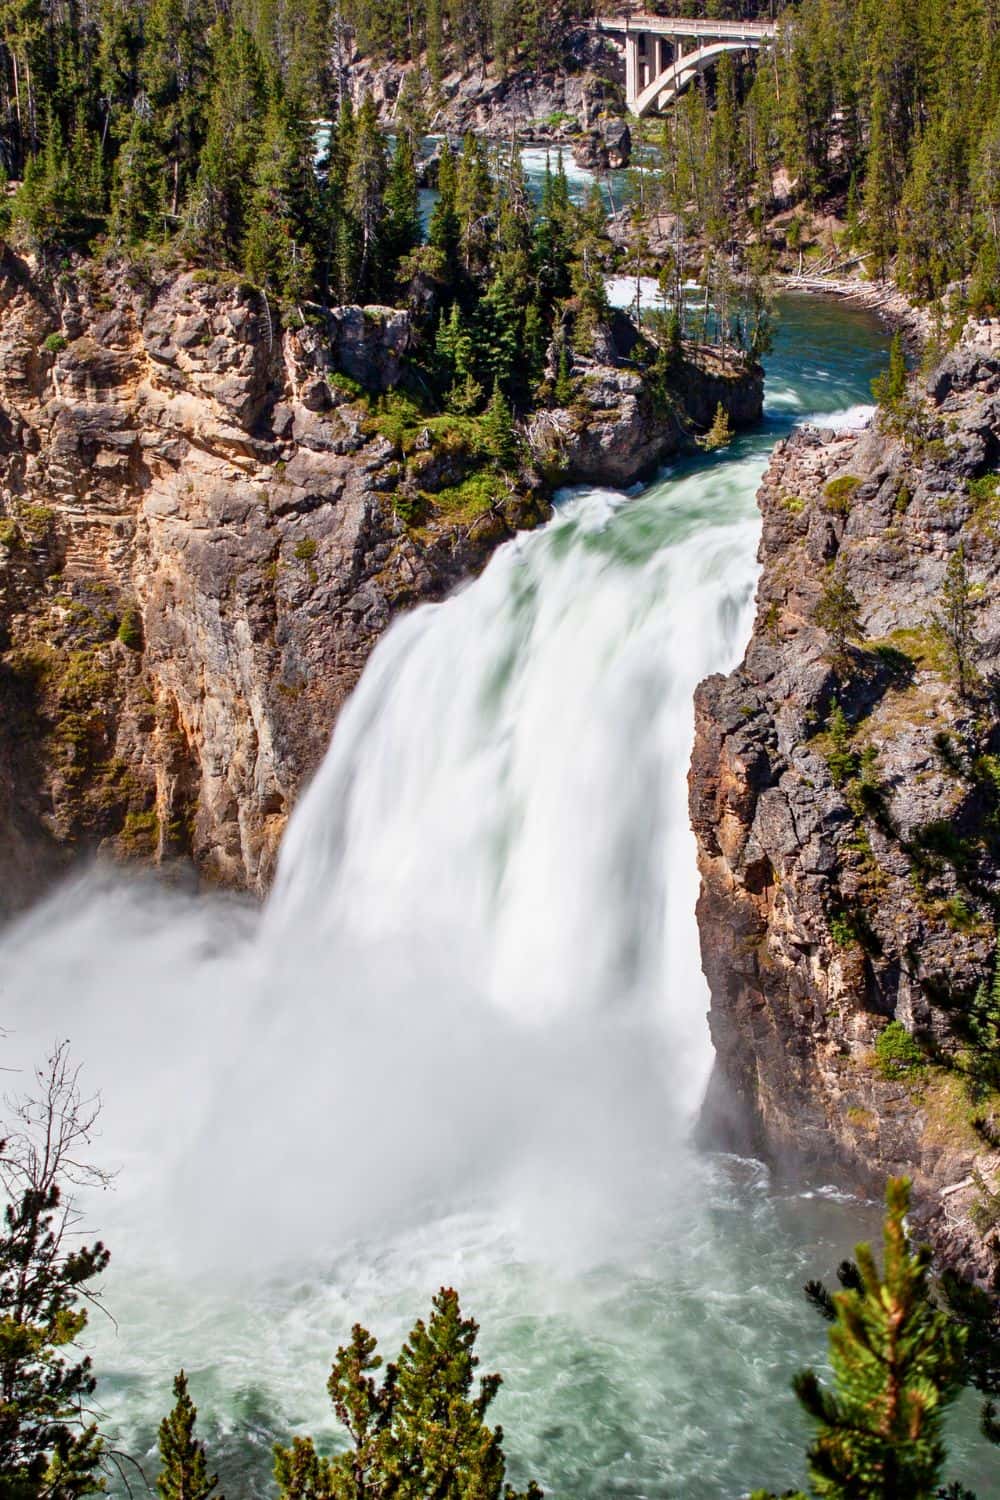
(483, 919)
(465, 1040)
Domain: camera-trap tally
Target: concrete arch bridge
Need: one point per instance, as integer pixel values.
(663, 54)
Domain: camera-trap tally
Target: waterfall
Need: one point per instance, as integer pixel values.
(482, 927)
(465, 1039)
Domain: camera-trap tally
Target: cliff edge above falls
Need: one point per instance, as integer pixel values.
(200, 542)
(205, 528)
(847, 811)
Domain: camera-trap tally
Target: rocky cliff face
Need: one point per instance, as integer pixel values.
(846, 802)
(554, 103)
(199, 544)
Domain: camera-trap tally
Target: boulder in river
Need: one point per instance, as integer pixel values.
(608, 147)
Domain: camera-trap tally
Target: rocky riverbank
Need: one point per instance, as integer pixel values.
(206, 523)
(844, 798)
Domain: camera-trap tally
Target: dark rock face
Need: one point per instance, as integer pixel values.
(370, 344)
(852, 880)
(199, 547)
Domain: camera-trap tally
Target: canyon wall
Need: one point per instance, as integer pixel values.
(200, 542)
(845, 794)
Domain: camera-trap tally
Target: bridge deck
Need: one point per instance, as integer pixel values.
(682, 26)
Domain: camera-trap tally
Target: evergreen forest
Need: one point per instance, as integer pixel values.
(194, 123)
(240, 138)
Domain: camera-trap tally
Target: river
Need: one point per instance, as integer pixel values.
(465, 1041)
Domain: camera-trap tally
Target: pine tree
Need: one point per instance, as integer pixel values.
(61, 200)
(839, 614)
(897, 1363)
(982, 1025)
(216, 213)
(443, 232)
(498, 431)
(953, 622)
(978, 1313)
(474, 194)
(497, 336)
(984, 295)
(984, 289)
(455, 356)
(306, 52)
(841, 759)
(419, 1431)
(565, 388)
(174, 68)
(433, 24)
(889, 388)
(881, 194)
(48, 1445)
(590, 251)
(119, 47)
(337, 237)
(410, 110)
(553, 253)
(403, 228)
(720, 434)
(934, 223)
(137, 205)
(184, 1471)
(535, 344)
(366, 182)
(277, 253)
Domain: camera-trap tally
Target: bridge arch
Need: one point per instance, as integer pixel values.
(664, 54)
(674, 79)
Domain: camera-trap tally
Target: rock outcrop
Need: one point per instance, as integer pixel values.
(551, 103)
(845, 795)
(608, 147)
(623, 422)
(201, 538)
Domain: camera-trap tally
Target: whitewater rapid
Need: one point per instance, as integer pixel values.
(465, 1040)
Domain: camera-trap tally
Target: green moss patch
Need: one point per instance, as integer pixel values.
(130, 629)
(924, 646)
(839, 493)
(141, 832)
(898, 1054)
(474, 497)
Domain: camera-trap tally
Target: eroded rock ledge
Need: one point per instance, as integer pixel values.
(850, 874)
(199, 547)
